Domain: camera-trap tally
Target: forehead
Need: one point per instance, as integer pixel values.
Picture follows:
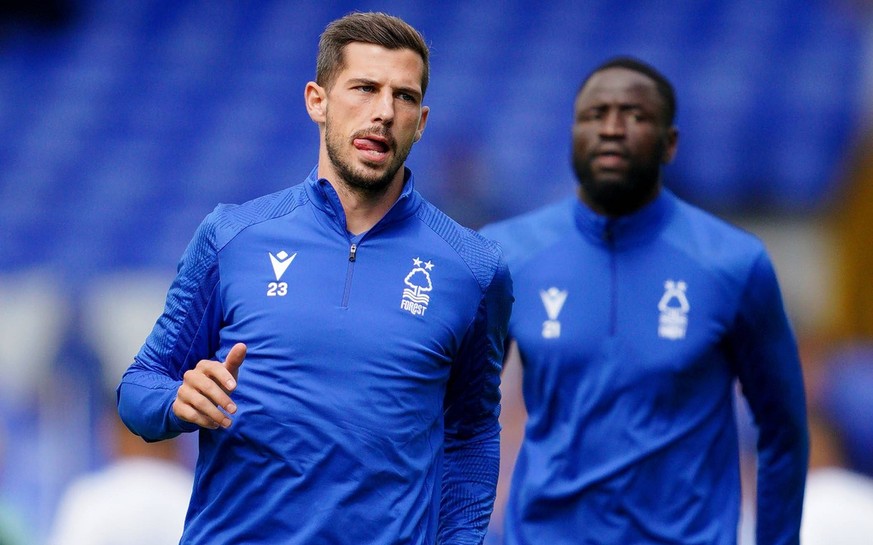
(401, 67)
(619, 86)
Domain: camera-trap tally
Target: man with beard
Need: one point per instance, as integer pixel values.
(635, 316)
(338, 344)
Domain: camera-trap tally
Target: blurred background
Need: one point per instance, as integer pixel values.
(123, 123)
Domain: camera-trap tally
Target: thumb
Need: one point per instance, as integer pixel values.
(235, 358)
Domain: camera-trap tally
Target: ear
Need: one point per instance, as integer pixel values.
(422, 122)
(316, 101)
(672, 143)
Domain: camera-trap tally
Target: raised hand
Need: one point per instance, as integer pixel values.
(206, 389)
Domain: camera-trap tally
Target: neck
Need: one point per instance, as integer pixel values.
(617, 204)
(362, 206)
(364, 209)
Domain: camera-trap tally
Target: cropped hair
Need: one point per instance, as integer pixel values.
(371, 28)
(662, 84)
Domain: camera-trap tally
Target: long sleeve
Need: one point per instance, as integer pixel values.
(370, 387)
(472, 446)
(185, 333)
(769, 370)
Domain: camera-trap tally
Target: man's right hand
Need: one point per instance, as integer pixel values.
(207, 387)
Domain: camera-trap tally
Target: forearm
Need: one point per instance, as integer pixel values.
(782, 463)
(145, 405)
(469, 487)
(768, 367)
(472, 440)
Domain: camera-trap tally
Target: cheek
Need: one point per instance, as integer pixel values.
(659, 150)
(578, 135)
(411, 117)
(648, 144)
(582, 142)
(406, 131)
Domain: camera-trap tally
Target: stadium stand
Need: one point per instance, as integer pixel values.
(122, 124)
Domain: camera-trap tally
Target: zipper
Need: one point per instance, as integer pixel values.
(353, 253)
(609, 237)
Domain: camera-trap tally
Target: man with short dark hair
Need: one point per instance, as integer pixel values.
(338, 344)
(635, 315)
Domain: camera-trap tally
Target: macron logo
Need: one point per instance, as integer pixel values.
(280, 263)
(553, 299)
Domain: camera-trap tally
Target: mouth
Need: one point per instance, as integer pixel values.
(373, 146)
(609, 158)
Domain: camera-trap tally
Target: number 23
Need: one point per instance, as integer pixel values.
(277, 289)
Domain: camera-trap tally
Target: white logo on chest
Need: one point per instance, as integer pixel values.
(553, 299)
(674, 307)
(280, 263)
(415, 296)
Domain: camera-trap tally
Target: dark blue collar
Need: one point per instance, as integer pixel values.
(324, 197)
(627, 230)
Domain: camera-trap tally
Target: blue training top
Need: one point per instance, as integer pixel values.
(632, 331)
(369, 396)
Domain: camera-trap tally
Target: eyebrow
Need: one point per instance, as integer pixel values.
(366, 81)
(622, 106)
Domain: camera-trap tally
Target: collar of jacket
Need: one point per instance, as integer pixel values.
(323, 195)
(628, 230)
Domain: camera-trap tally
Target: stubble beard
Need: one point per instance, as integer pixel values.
(622, 196)
(361, 180)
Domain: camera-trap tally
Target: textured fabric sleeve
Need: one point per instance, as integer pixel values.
(472, 446)
(185, 333)
(769, 371)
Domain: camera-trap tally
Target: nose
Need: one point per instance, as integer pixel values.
(613, 124)
(383, 108)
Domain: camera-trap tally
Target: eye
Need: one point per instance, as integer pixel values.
(408, 97)
(638, 116)
(365, 88)
(591, 114)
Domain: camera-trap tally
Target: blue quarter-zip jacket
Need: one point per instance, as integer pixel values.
(633, 332)
(369, 396)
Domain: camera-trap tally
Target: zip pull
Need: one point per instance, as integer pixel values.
(352, 251)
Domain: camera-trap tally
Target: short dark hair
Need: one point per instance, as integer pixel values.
(372, 28)
(662, 84)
